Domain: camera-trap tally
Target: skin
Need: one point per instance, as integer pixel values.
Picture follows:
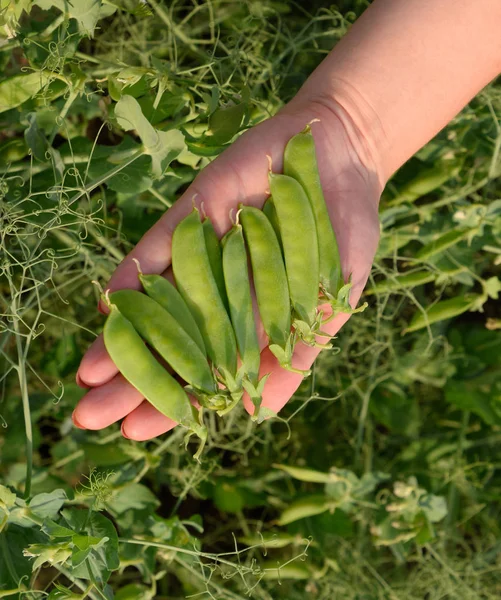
(402, 72)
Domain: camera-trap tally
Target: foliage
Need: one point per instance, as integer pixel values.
(380, 479)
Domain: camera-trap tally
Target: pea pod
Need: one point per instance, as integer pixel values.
(270, 283)
(271, 212)
(451, 238)
(238, 290)
(300, 162)
(197, 285)
(162, 291)
(270, 280)
(138, 365)
(215, 257)
(445, 309)
(299, 239)
(165, 335)
(400, 282)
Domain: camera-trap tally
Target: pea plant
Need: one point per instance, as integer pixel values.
(379, 479)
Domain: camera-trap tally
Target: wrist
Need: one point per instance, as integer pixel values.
(354, 113)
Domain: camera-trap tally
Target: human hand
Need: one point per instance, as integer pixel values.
(240, 175)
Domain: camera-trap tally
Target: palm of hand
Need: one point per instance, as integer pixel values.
(240, 175)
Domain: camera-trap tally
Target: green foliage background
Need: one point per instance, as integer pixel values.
(380, 479)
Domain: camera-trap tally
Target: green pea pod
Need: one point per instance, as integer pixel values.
(300, 162)
(138, 365)
(162, 291)
(308, 506)
(197, 285)
(299, 240)
(238, 290)
(268, 270)
(427, 180)
(401, 282)
(215, 257)
(447, 240)
(271, 212)
(272, 290)
(165, 335)
(446, 309)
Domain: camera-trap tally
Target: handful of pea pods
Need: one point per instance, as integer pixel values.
(204, 327)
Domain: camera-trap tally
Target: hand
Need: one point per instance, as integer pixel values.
(352, 189)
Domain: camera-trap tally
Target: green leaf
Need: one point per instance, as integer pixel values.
(48, 505)
(434, 507)
(445, 309)
(101, 558)
(228, 498)
(471, 395)
(133, 591)
(492, 287)
(35, 138)
(133, 496)
(106, 455)
(305, 507)
(61, 592)
(53, 554)
(53, 529)
(83, 546)
(19, 88)
(162, 146)
(225, 123)
(395, 408)
(86, 12)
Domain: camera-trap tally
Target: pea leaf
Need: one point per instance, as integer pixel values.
(434, 507)
(224, 123)
(162, 146)
(228, 498)
(51, 553)
(53, 529)
(48, 505)
(493, 287)
(133, 496)
(19, 88)
(85, 12)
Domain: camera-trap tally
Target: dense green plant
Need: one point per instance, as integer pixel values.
(380, 478)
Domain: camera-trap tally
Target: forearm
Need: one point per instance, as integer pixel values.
(406, 68)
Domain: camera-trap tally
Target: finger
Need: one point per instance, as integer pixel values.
(96, 366)
(145, 422)
(106, 404)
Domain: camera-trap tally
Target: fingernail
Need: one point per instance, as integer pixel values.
(80, 383)
(75, 421)
(123, 431)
